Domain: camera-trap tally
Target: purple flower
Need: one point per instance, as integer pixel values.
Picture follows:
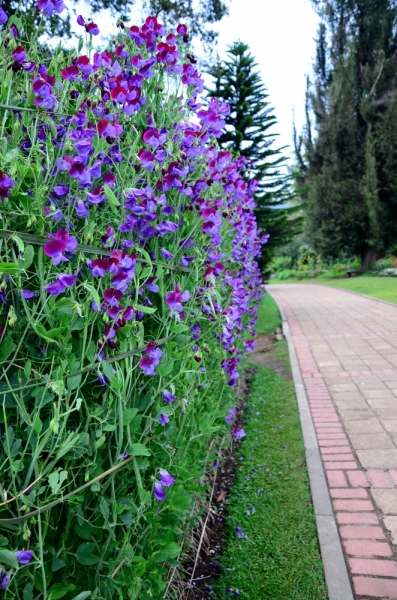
(92, 28)
(150, 361)
(165, 478)
(163, 419)
(166, 255)
(159, 493)
(60, 284)
(28, 295)
(5, 582)
(61, 242)
(48, 6)
(238, 432)
(124, 455)
(240, 533)
(216, 464)
(3, 17)
(24, 556)
(168, 397)
(61, 190)
(103, 380)
(174, 300)
(5, 184)
(81, 210)
(19, 54)
(146, 159)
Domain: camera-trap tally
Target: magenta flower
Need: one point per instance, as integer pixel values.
(174, 300)
(249, 345)
(168, 397)
(159, 493)
(149, 362)
(146, 159)
(19, 54)
(61, 284)
(153, 137)
(238, 432)
(92, 28)
(166, 479)
(24, 556)
(163, 419)
(48, 6)
(181, 29)
(61, 243)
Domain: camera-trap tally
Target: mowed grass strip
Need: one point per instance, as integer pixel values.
(269, 316)
(280, 558)
(382, 288)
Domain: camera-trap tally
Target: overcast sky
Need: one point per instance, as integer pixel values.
(281, 36)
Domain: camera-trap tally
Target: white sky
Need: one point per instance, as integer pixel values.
(281, 36)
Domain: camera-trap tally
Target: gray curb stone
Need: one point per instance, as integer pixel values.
(336, 575)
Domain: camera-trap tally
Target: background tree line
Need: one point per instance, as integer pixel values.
(347, 152)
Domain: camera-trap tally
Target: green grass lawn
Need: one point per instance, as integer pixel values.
(383, 288)
(269, 317)
(279, 559)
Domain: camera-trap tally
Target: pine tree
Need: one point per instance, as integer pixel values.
(250, 133)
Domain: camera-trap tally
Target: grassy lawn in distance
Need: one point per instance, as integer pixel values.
(271, 502)
(383, 288)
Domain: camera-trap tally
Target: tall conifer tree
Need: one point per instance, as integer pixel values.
(250, 133)
(352, 193)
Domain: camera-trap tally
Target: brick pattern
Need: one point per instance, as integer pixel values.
(369, 555)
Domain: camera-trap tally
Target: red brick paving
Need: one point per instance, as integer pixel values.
(369, 554)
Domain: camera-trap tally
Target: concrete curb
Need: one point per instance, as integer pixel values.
(336, 575)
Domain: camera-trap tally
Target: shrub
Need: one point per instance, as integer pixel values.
(129, 292)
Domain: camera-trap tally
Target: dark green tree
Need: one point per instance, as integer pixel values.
(196, 15)
(350, 161)
(250, 133)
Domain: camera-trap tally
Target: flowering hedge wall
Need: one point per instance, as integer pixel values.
(128, 296)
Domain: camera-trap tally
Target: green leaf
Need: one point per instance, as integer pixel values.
(41, 330)
(83, 595)
(7, 346)
(27, 259)
(128, 415)
(165, 368)
(172, 550)
(145, 309)
(139, 450)
(3, 541)
(73, 382)
(9, 157)
(178, 327)
(28, 592)
(59, 590)
(57, 563)
(17, 240)
(8, 558)
(84, 531)
(94, 294)
(27, 368)
(9, 268)
(104, 508)
(111, 198)
(84, 554)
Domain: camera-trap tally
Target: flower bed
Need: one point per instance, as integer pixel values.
(129, 291)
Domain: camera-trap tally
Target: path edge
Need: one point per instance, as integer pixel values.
(335, 569)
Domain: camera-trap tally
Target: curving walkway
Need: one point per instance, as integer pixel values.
(347, 352)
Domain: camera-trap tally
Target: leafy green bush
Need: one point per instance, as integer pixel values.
(129, 293)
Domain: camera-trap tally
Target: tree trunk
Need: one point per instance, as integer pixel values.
(368, 257)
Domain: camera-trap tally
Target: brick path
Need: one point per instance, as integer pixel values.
(347, 352)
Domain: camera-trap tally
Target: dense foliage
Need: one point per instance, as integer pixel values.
(350, 162)
(250, 132)
(128, 294)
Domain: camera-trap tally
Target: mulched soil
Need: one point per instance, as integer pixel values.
(206, 570)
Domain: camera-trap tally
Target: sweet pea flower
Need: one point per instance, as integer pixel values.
(165, 478)
(168, 397)
(149, 362)
(48, 6)
(159, 493)
(174, 300)
(163, 419)
(5, 185)
(24, 556)
(238, 432)
(5, 581)
(61, 242)
(19, 54)
(3, 16)
(92, 28)
(62, 282)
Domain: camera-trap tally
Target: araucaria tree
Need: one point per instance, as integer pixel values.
(250, 133)
(351, 160)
